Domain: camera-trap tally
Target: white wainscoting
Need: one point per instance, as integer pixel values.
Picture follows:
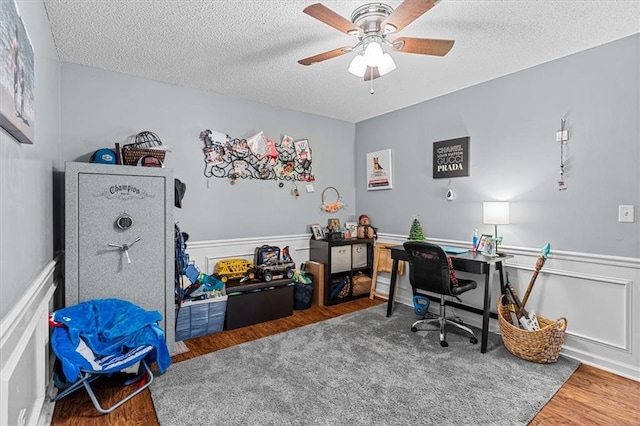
(597, 294)
(24, 347)
(205, 254)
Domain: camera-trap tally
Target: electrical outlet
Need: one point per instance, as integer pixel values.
(310, 188)
(558, 136)
(626, 213)
(562, 136)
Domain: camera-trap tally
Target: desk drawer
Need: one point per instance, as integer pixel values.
(471, 266)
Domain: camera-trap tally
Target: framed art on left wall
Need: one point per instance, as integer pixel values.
(379, 173)
(17, 90)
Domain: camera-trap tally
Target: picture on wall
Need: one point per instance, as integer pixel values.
(17, 105)
(451, 158)
(379, 173)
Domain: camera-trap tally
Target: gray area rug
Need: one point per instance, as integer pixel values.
(358, 369)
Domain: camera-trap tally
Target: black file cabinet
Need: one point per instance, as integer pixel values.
(344, 260)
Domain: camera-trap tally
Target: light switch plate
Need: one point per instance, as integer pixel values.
(310, 188)
(626, 213)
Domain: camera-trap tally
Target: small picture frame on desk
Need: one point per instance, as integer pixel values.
(489, 247)
(318, 234)
(482, 242)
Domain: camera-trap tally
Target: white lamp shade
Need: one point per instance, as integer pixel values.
(386, 64)
(358, 66)
(373, 53)
(495, 212)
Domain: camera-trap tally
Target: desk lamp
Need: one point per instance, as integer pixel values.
(495, 213)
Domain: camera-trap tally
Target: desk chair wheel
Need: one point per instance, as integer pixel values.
(444, 344)
(414, 329)
(473, 340)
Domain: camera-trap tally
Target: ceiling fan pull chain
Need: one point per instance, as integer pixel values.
(371, 91)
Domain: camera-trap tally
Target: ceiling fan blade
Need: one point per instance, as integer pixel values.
(329, 17)
(371, 74)
(422, 46)
(406, 13)
(326, 55)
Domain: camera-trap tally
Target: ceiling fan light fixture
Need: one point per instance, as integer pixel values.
(373, 54)
(386, 64)
(358, 66)
(371, 23)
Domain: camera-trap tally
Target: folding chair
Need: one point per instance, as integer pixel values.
(105, 336)
(92, 367)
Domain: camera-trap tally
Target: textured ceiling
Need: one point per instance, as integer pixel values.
(249, 49)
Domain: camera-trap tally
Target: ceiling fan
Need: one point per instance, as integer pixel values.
(371, 24)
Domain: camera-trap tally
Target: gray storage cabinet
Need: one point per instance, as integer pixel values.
(108, 209)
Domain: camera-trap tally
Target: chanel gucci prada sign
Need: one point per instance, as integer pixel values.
(451, 158)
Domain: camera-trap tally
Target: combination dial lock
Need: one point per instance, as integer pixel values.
(124, 222)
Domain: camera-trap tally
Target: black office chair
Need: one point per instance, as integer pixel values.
(429, 271)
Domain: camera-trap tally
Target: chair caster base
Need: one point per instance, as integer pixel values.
(414, 329)
(444, 344)
(474, 340)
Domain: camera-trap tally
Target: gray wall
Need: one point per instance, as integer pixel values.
(102, 108)
(512, 123)
(26, 172)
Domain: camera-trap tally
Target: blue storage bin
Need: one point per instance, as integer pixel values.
(200, 317)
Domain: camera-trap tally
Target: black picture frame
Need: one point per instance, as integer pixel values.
(334, 224)
(451, 158)
(482, 241)
(318, 234)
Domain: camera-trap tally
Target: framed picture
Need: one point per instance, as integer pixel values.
(482, 242)
(489, 247)
(451, 158)
(334, 224)
(379, 173)
(17, 109)
(317, 232)
(353, 228)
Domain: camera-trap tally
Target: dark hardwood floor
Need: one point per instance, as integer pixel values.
(590, 397)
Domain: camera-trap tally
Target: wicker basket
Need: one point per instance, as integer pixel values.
(131, 155)
(361, 284)
(541, 346)
(142, 147)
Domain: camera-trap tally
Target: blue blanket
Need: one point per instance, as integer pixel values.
(107, 327)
